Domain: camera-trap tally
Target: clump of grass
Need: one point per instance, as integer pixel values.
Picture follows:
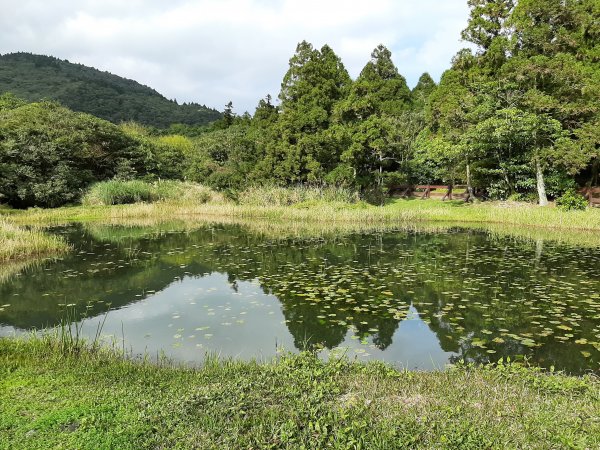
(297, 401)
(118, 192)
(18, 242)
(286, 196)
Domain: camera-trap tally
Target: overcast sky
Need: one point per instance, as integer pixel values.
(213, 51)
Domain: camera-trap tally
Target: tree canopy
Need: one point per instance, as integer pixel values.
(515, 116)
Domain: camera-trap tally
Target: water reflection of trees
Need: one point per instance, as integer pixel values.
(466, 287)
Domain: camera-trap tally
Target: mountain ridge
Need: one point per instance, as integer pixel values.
(87, 89)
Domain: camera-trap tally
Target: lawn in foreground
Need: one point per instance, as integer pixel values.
(96, 400)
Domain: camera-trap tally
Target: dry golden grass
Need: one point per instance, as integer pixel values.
(17, 242)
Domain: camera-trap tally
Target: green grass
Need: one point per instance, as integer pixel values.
(117, 192)
(304, 210)
(175, 199)
(97, 400)
(396, 213)
(298, 195)
(509, 213)
(20, 243)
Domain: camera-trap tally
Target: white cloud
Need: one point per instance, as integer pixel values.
(213, 51)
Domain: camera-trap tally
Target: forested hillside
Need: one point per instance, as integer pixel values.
(517, 118)
(85, 89)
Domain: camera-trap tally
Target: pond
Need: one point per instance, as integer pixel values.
(419, 300)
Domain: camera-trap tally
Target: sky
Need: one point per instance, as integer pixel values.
(214, 51)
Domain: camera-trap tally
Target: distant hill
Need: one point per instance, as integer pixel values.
(82, 88)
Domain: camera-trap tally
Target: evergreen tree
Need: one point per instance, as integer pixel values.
(487, 22)
(422, 91)
(549, 68)
(367, 119)
(301, 149)
(228, 117)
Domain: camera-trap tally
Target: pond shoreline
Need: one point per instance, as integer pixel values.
(19, 244)
(92, 398)
(512, 219)
(395, 211)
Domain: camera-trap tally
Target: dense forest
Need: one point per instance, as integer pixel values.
(517, 117)
(85, 89)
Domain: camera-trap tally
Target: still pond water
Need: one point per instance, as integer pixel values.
(416, 299)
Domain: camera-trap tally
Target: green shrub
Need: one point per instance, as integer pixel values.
(375, 195)
(529, 197)
(49, 154)
(571, 201)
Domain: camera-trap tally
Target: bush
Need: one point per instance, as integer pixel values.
(572, 201)
(119, 192)
(529, 197)
(558, 183)
(49, 154)
(375, 195)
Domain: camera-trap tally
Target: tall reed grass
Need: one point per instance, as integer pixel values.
(17, 242)
(118, 192)
(287, 196)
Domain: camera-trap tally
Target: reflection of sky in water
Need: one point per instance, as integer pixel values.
(414, 346)
(198, 315)
(417, 300)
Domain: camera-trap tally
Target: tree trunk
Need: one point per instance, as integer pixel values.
(509, 185)
(469, 184)
(541, 185)
(511, 190)
(539, 249)
(595, 172)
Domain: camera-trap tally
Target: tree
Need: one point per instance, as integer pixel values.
(223, 159)
(422, 91)
(552, 67)
(49, 154)
(435, 159)
(487, 20)
(452, 113)
(367, 119)
(228, 118)
(301, 149)
(515, 132)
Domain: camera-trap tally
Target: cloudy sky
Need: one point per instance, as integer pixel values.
(213, 51)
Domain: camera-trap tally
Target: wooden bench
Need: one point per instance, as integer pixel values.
(425, 191)
(592, 194)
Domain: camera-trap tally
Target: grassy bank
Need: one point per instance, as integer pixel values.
(395, 212)
(20, 243)
(117, 200)
(288, 212)
(96, 400)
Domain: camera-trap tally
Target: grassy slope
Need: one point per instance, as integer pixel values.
(96, 401)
